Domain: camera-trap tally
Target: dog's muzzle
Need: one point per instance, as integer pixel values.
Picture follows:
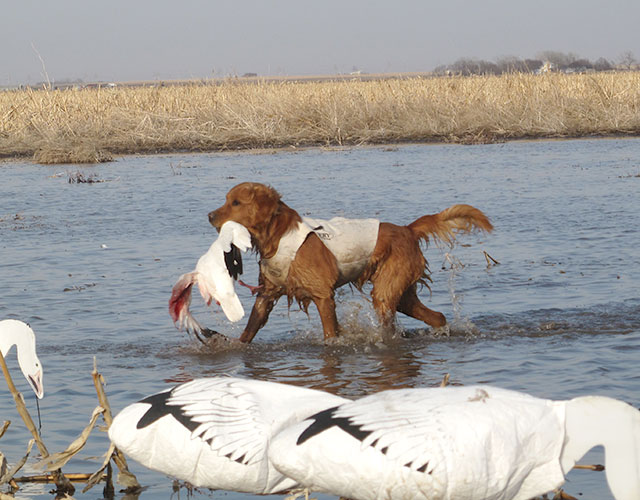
(212, 219)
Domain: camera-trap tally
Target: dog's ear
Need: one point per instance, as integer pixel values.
(267, 198)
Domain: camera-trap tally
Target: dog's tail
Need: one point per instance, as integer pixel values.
(451, 221)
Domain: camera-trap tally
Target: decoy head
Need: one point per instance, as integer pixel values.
(30, 364)
(598, 420)
(21, 335)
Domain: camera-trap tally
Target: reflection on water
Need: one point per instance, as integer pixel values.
(91, 267)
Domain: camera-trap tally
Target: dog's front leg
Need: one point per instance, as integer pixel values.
(327, 310)
(259, 316)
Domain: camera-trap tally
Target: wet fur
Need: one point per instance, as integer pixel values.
(395, 268)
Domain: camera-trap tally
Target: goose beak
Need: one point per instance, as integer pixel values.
(36, 384)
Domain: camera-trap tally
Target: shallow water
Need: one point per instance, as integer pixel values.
(91, 265)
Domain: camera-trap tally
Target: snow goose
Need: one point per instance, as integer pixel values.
(215, 273)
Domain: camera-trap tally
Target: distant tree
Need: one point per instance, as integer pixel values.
(512, 64)
(488, 68)
(443, 69)
(464, 67)
(580, 65)
(533, 65)
(627, 60)
(468, 67)
(602, 64)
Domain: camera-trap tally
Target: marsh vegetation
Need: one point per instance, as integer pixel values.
(93, 124)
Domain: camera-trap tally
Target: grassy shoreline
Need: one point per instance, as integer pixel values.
(92, 125)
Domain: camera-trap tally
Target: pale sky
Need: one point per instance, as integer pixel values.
(123, 40)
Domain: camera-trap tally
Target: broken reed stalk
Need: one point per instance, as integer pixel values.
(62, 483)
(125, 477)
(594, 467)
(490, 260)
(22, 408)
(5, 426)
(78, 477)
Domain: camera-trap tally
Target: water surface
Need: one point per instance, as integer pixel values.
(91, 265)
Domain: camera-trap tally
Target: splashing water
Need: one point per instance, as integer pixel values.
(461, 324)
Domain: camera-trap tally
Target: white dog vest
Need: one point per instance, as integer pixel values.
(350, 240)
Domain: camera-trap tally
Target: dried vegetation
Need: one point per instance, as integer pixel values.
(91, 125)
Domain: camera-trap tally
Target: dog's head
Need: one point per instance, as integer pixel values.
(251, 204)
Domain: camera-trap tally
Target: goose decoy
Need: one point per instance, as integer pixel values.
(14, 332)
(476, 442)
(215, 432)
(215, 273)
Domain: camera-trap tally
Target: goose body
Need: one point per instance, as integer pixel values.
(214, 274)
(467, 443)
(215, 432)
(14, 332)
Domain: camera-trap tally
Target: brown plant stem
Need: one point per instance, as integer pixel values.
(62, 483)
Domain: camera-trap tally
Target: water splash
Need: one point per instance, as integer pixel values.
(360, 325)
(461, 324)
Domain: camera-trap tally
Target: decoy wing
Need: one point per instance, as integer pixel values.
(463, 443)
(215, 433)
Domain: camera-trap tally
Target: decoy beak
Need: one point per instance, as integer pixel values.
(36, 384)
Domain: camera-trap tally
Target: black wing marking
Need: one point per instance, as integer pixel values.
(160, 408)
(233, 261)
(325, 420)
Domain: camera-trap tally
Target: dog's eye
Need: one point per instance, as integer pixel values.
(235, 203)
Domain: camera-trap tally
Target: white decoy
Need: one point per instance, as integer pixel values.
(215, 273)
(465, 443)
(215, 432)
(14, 332)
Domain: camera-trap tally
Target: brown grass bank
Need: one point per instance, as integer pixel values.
(91, 125)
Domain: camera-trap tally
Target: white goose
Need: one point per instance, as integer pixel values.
(458, 442)
(215, 273)
(215, 432)
(14, 332)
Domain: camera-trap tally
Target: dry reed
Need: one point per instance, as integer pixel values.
(91, 125)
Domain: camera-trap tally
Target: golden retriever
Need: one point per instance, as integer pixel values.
(394, 267)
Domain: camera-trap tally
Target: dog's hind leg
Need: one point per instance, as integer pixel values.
(411, 306)
(385, 294)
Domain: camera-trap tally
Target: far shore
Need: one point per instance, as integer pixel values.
(257, 115)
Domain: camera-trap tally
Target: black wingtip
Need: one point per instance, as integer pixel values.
(233, 261)
(325, 420)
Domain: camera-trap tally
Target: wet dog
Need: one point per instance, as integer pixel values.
(307, 259)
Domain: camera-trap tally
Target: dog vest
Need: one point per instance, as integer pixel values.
(351, 241)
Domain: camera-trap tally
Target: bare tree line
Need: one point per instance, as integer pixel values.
(546, 60)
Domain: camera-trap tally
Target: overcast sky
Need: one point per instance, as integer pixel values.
(121, 40)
